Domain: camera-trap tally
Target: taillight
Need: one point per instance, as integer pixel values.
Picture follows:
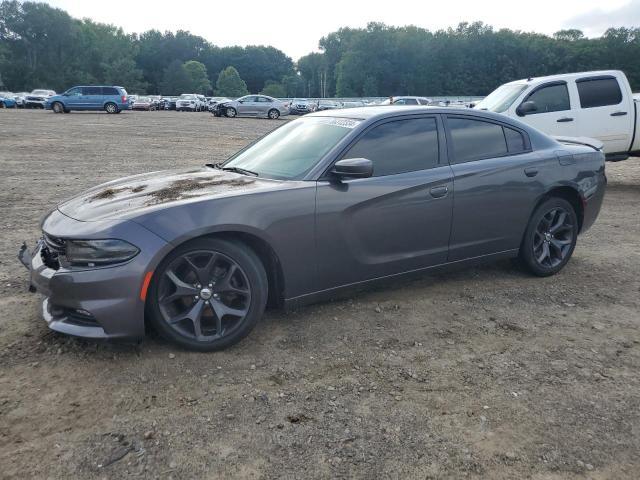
(124, 98)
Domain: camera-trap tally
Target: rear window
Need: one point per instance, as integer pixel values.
(599, 92)
(110, 91)
(515, 140)
(475, 139)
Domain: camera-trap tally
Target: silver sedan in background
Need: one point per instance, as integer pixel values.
(253, 106)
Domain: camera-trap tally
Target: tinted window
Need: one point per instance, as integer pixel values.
(406, 101)
(91, 91)
(475, 139)
(599, 92)
(399, 146)
(553, 98)
(515, 140)
(109, 91)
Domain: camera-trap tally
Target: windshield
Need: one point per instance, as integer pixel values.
(186, 96)
(41, 92)
(292, 150)
(143, 99)
(501, 98)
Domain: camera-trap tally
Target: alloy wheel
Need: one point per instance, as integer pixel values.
(553, 238)
(204, 295)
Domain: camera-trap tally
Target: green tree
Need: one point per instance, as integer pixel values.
(176, 79)
(230, 84)
(274, 89)
(198, 73)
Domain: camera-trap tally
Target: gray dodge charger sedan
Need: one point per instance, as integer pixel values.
(329, 201)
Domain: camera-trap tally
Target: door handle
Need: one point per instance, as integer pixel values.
(439, 191)
(531, 171)
(618, 114)
(564, 119)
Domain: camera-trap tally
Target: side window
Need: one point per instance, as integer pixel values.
(554, 98)
(399, 146)
(109, 91)
(91, 91)
(599, 92)
(74, 92)
(475, 139)
(515, 140)
(264, 100)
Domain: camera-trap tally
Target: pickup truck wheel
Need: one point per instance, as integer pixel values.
(550, 238)
(111, 108)
(57, 107)
(207, 294)
(231, 112)
(273, 114)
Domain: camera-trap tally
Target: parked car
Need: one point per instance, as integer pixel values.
(301, 106)
(20, 99)
(327, 105)
(144, 103)
(324, 203)
(598, 105)
(38, 98)
(111, 99)
(253, 106)
(7, 100)
(188, 101)
(406, 100)
(214, 101)
(203, 103)
(168, 103)
(155, 100)
(353, 104)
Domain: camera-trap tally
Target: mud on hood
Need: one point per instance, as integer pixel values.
(153, 190)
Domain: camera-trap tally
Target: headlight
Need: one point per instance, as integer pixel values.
(90, 253)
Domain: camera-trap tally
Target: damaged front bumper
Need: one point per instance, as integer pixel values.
(99, 303)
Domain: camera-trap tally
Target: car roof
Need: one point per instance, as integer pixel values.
(379, 112)
(563, 76)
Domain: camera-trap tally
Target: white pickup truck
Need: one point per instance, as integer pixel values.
(597, 105)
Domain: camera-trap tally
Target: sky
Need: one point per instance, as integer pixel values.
(296, 26)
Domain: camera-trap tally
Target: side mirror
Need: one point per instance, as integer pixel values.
(526, 108)
(240, 101)
(353, 168)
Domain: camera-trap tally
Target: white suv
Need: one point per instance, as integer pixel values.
(190, 102)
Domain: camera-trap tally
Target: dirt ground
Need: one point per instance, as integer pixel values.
(480, 373)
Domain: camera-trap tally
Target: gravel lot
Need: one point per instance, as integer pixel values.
(480, 373)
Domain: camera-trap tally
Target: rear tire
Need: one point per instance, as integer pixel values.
(195, 280)
(57, 107)
(550, 238)
(2, 105)
(273, 114)
(111, 107)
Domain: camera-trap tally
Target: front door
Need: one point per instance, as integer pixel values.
(396, 221)
(248, 106)
(555, 113)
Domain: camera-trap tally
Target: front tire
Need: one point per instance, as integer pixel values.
(550, 238)
(273, 114)
(231, 112)
(111, 108)
(57, 107)
(207, 294)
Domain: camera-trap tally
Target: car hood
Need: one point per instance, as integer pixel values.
(131, 196)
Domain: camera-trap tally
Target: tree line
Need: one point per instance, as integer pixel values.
(44, 47)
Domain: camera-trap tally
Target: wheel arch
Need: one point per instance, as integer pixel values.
(568, 193)
(262, 248)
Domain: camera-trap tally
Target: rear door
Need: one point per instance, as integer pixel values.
(395, 221)
(92, 97)
(605, 113)
(556, 113)
(497, 179)
(263, 105)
